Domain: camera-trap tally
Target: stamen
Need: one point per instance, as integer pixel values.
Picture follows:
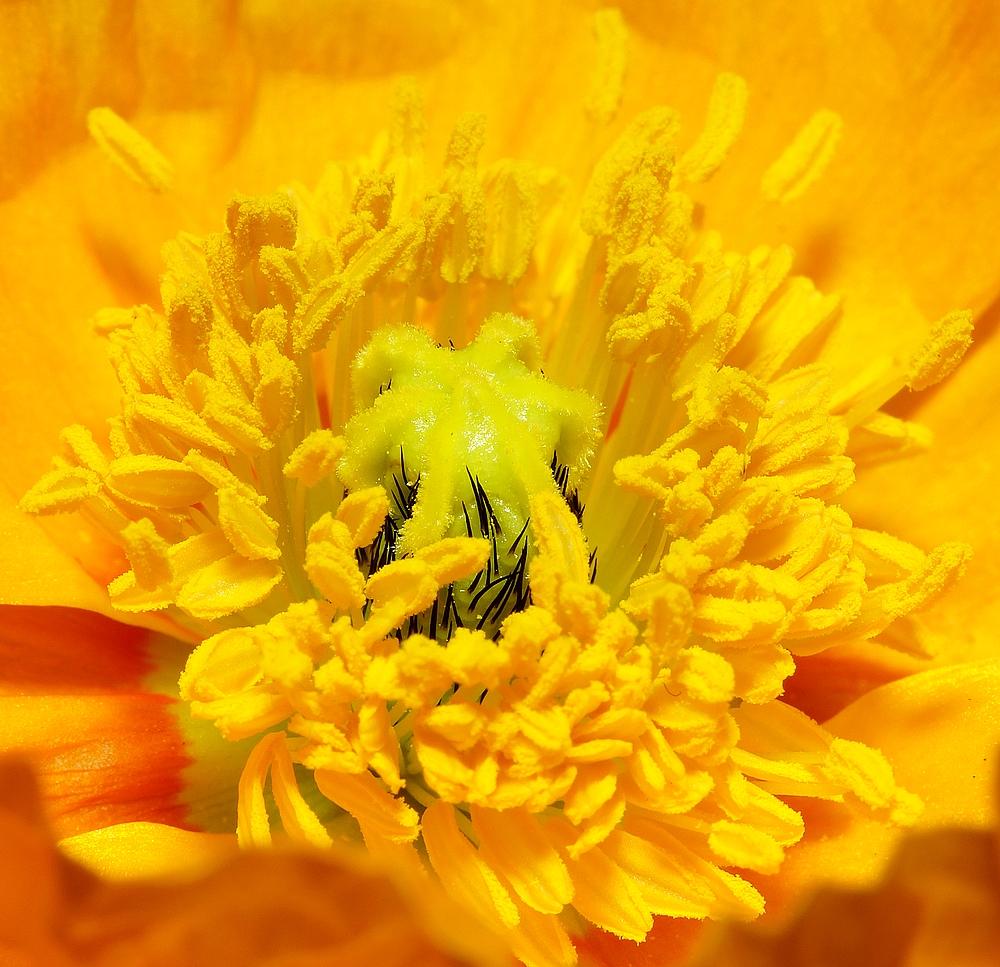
(607, 77)
(803, 162)
(726, 109)
(129, 150)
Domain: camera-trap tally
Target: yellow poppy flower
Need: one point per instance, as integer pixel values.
(522, 607)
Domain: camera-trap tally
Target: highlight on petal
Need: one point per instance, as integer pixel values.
(136, 851)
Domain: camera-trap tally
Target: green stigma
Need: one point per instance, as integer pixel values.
(462, 439)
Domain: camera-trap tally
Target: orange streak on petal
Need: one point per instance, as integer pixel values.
(67, 651)
(669, 942)
(101, 759)
(826, 683)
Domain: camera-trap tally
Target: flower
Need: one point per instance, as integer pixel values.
(745, 462)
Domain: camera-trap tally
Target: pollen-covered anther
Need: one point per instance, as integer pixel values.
(129, 150)
(947, 343)
(148, 553)
(607, 76)
(803, 162)
(315, 458)
(61, 490)
(251, 532)
(726, 109)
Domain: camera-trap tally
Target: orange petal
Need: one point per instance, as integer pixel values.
(37, 569)
(669, 942)
(101, 759)
(939, 731)
(827, 682)
(64, 651)
(330, 906)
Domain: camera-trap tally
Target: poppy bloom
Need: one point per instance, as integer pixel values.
(503, 493)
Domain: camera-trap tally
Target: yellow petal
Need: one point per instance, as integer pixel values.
(137, 850)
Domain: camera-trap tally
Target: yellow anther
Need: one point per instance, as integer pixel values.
(61, 491)
(177, 418)
(455, 217)
(228, 586)
(226, 415)
(803, 162)
(275, 396)
(868, 776)
(406, 136)
(655, 129)
(329, 301)
(80, 443)
(513, 843)
(156, 481)
(558, 537)
(375, 809)
(187, 304)
(460, 867)
(129, 150)
(465, 143)
(250, 531)
(220, 477)
(364, 512)
(511, 220)
(455, 558)
(258, 220)
(405, 163)
(315, 458)
(110, 320)
(373, 199)
(331, 565)
(148, 553)
(408, 585)
(607, 77)
(946, 345)
(739, 844)
(726, 109)
(705, 676)
(225, 664)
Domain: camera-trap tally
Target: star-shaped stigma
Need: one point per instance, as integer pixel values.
(462, 439)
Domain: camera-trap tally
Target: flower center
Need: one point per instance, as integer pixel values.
(396, 581)
(462, 440)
